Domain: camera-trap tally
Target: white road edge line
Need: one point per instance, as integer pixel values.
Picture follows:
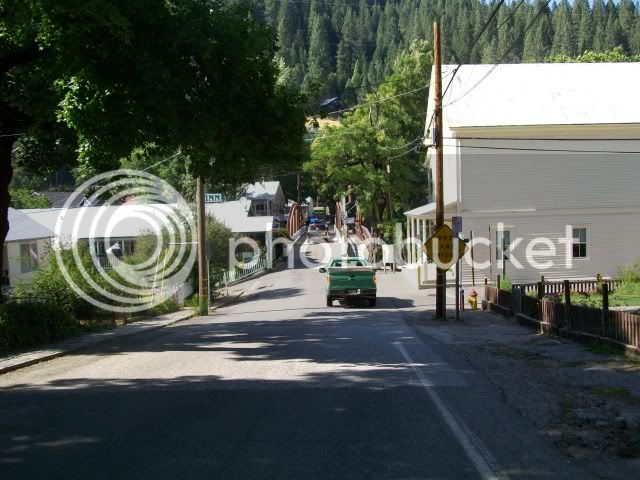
(475, 450)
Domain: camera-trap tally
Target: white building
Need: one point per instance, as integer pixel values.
(533, 151)
(25, 247)
(267, 199)
(103, 227)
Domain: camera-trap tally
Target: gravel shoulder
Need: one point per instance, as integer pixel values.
(584, 400)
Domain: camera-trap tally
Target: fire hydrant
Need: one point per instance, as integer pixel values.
(473, 299)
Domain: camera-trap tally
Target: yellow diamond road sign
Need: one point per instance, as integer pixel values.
(445, 248)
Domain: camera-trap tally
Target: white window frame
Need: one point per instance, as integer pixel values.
(29, 262)
(586, 242)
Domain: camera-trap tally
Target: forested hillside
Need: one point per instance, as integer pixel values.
(334, 47)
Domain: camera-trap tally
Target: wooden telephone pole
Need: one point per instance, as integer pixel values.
(441, 299)
(203, 270)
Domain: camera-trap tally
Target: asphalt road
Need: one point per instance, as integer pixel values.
(277, 386)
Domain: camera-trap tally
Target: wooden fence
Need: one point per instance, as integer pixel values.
(559, 314)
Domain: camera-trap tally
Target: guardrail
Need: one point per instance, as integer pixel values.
(226, 278)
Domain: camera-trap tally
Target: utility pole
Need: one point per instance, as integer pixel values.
(389, 211)
(203, 277)
(298, 185)
(441, 305)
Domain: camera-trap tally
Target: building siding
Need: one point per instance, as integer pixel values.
(612, 243)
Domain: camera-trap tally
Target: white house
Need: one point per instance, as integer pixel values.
(24, 248)
(545, 157)
(267, 199)
(103, 227)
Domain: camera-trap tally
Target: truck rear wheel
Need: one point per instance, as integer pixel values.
(329, 301)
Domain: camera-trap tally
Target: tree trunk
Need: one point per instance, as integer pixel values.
(8, 126)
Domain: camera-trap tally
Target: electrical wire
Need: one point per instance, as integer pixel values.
(544, 139)
(475, 42)
(402, 146)
(512, 14)
(12, 135)
(532, 149)
(412, 150)
(378, 101)
(162, 161)
(504, 56)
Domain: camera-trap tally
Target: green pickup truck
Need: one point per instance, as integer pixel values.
(350, 278)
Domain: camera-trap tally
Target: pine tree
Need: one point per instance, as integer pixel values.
(348, 49)
(319, 61)
(583, 19)
(564, 37)
(537, 41)
(614, 36)
(627, 16)
(599, 25)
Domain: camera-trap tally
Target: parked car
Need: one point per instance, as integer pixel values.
(350, 278)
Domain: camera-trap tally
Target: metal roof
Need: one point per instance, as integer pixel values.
(262, 190)
(541, 94)
(21, 227)
(235, 216)
(129, 220)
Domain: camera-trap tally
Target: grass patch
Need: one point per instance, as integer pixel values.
(605, 348)
(618, 392)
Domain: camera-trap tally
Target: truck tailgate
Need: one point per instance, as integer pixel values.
(355, 277)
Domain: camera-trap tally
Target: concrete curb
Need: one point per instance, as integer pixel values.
(226, 301)
(59, 349)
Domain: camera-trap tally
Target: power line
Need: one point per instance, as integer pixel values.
(402, 146)
(504, 56)
(411, 150)
(12, 135)
(544, 139)
(401, 79)
(379, 101)
(162, 161)
(532, 149)
(474, 43)
(512, 14)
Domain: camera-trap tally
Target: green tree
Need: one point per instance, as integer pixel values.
(195, 75)
(564, 34)
(24, 198)
(347, 49)
(537, 41)
(615, 55)
(583, 20)
(319, 62)
(360, 149)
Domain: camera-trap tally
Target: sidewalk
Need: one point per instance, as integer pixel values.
(58, 349)
(585, 400)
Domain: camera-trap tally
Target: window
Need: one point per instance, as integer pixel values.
(128, 247)
(580, 242)
(28, 257)
(502, 235)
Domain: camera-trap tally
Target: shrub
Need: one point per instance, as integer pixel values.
(48, 285)
(168, 306)
(630, 273)
(505, 283)
(31, 323)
